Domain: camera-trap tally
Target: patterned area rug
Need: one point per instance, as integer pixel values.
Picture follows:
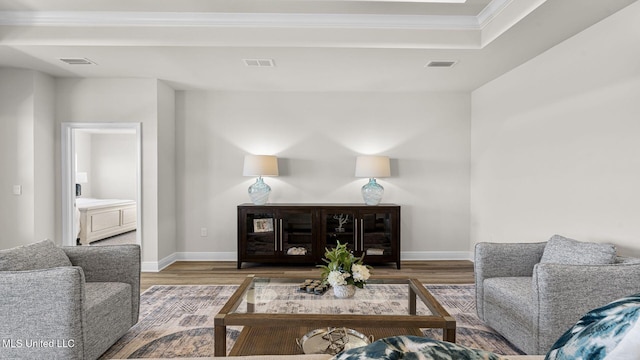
(177, 321)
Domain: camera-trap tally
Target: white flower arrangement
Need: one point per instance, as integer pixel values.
(337, 278)
(360, 272)
(343, 268)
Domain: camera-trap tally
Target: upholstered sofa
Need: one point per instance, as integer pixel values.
(66, 303)
(531, 293)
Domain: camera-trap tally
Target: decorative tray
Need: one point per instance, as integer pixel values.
(313, 287)
(331, 340)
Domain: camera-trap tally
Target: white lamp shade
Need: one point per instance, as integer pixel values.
(260, 165)
(81, 178)
(370, 166)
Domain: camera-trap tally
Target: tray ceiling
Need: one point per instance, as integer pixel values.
(317, 45)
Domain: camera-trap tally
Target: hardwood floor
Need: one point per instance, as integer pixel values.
(226, 273)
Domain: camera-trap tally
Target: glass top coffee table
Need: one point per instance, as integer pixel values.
(274, 313)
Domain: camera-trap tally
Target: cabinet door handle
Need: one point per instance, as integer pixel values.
(355, 235)
(281, 235)
(362, 234)
(275, 238)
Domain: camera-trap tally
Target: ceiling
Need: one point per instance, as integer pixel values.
(316, 45)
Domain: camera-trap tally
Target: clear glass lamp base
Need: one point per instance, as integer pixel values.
(372, 192)
(259, 192)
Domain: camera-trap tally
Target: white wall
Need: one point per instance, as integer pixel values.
(317, 137)
(44, 181)
(555, 142)
(82, 141)
(114, 166)
(26, 101)
(16, 157)
(166, 171)
(119, 100)
(110, 162)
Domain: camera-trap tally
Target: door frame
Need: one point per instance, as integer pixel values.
(68, 170)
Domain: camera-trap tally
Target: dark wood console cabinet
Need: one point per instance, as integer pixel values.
(299, 233)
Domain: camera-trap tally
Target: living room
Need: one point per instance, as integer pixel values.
(457, 149)
(548, 147)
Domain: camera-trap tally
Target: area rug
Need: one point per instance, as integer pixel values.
(177, 321)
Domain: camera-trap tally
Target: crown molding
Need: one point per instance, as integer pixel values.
(246, 20)
(501, 15)
(491, 11)
(336, 30)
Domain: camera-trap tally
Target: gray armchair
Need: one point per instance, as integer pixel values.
(67, 303)
(531, 303)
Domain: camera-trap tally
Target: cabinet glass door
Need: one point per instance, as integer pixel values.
(339, 226)
(376, 234)
(296, 233)
(261, 235)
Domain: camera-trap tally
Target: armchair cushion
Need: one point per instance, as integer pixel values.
(512, 294)
(609, 332)
(40, 255)
(508, 307)
(105, 323)
(561, 250)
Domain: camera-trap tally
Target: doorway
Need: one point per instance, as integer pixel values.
(74, 176)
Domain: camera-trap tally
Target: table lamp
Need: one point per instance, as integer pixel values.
(260, 165)
(372, 167)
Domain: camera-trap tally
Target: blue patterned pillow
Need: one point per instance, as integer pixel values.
(610, 332)
(414, 348)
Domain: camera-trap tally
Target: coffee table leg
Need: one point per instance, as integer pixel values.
(220, 341)
(449, 335)
(412, 301)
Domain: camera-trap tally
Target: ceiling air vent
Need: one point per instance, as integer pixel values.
(259, 62)
(441, 64)
(77, 61)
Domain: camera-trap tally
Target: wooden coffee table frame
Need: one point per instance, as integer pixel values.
(257, 337)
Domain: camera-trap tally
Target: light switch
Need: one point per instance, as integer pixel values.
(203, 232)
(17, 189)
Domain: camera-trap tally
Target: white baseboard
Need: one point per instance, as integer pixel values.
(436, 255)
(152, 266)
(208, 256)
(149, 266)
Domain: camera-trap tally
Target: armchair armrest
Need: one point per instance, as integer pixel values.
(503, 260)
(42, 313)
(117, 263)
(562, 294)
